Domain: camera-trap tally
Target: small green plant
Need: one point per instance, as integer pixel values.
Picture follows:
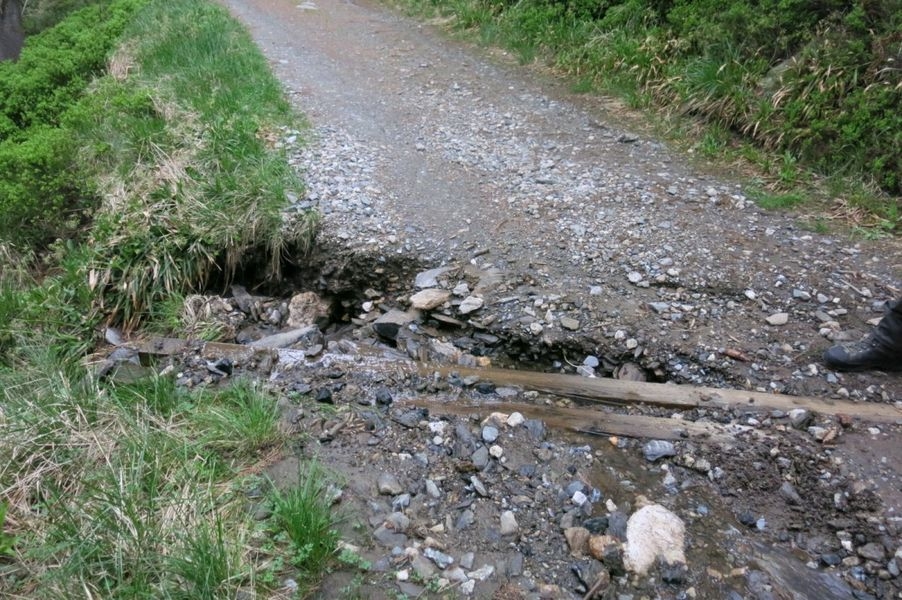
(206, 562)
(352, 559)
(238, 421)
(7, 541)
(351, 591)
(304, 514)
(818, 225)
(584, 85)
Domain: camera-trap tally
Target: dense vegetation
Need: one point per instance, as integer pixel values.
(138, 154)
(817, 82)
(155, 180)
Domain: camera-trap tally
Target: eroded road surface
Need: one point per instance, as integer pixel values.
(583, 240)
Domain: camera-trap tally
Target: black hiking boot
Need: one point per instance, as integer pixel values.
(882, 350)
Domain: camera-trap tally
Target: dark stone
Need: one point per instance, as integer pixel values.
(485, 387)
(596, 525)
(411, 418)
(747, 518)
(675, 573)
(831, 559)
(527, 470)
(536, 429)
(301, 387)
(464, 343)
(481, 458)
(383, 396)
(324, 395)
(617, 525)
(515, 565)
(487, 338)
(389, 324)
(573, 487)
(613, 559)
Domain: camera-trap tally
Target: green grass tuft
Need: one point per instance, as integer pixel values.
(304, 515)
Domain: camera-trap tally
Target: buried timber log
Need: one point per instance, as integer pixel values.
(607, 391)
(600, 422)
(615, 391)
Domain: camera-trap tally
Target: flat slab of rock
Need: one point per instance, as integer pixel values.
(429, 299)
(778, 319)
(470, 304)
(429, 279)
(284, 339)
(569, 323)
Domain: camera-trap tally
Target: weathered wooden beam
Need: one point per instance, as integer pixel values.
(597, 422)
(159, 346)
(615, 391)
(601, 390)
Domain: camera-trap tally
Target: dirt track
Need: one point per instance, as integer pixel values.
(430, 151)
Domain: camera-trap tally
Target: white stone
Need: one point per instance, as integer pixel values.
(461, 289)
(496, 451)
(515, 419)
(509, 525)
(482, 573)
(429, 299)
(470, 304)
(778, 318)
(653, 532)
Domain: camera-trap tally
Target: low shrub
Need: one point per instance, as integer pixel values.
(820, 80)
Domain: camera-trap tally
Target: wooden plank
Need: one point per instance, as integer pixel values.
(615, 391)
(606, 391)
(238, 353)
(594, 421)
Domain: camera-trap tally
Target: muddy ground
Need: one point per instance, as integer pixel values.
(566, 239)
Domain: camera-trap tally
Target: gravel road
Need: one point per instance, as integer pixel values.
(601, 238)
(429, 149)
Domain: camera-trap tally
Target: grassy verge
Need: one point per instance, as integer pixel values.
(181, 138)
(806, 95)
(153, 163)
(140, 491)
(158, 173)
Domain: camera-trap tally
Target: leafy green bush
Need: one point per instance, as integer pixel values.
(39, 15)
(42, 190)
